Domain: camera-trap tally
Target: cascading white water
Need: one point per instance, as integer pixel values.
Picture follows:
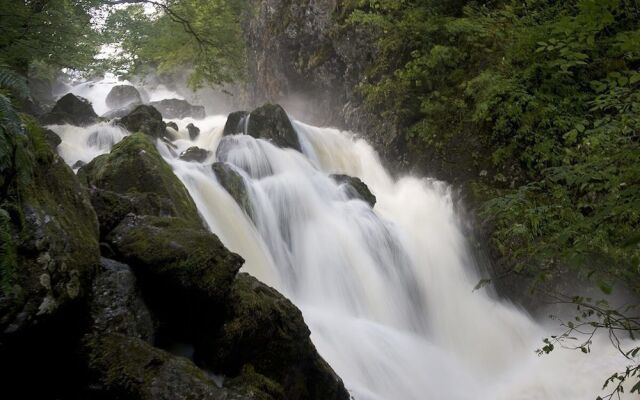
(387, 292)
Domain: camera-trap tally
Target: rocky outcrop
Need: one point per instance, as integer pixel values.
(176, 108)
(269, 122)
(194, 153)
(234, 184)
(193, 130)
(70, 109)
(145, 119)
(52, 138)
(355, 188)
(123, 95)
(266, 331)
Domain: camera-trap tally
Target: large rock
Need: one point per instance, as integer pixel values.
(123, 367)
(355, 188)
(266, 331)
(269, 122)
(134, 178)
(176, 108)
(52, 138)
(235, 123)
(193, 130)
(194, 153)
(145, 119)
(234, 184)
(116, 304)
(122, 96)
(70, 109)
(119, 112)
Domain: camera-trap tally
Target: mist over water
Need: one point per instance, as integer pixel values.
(387, 292)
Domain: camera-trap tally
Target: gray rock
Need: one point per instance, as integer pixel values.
(52, 138)
(234, 184)
(269, 122)
(116, 305)
(176, 108)
(194, 153)
(194, 131)
(172, 125)
(123, 95)
(235, 123)
(145, 119)
(70, 109)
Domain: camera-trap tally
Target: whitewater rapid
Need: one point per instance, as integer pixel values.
(387, 292)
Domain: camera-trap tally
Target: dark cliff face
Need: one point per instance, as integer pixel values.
(300, 57)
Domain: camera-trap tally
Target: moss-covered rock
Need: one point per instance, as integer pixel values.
(266, 331)
(124, 367)
(53, 232)
(269, 122)
(355, 188)
(235, 123)
(70, 109)
(134, 178)
(145, 119)
(234, 184)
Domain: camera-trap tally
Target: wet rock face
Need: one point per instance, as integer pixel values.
(176, 108)
(269, 122)
(234, 184)
(194, 153)
(145, 119)
(193, 130)
(122, 96)
(356, 188)
(119, 112)
(52, 138)
(173, 126)
(70, 109)
(267, 332)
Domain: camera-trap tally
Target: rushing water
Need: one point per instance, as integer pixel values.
(387, 292)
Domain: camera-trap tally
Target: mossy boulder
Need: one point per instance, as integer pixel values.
(355, 188)
(145, 119)
(266, 331)
(177, 108)
(234, 184)
(123, 95)
(70, 109)
(235, 123)
(194, 153)
(269, 122)
(134, 178)
(123, 367)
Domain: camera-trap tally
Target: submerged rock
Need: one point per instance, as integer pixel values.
(194, 131)
(356, 188)
(145, 119)
(194, 153)
(70, 109)
(234, 184)
(269, 122)
(123, 95)
(266, 331)
(176, 108)
(119, 112)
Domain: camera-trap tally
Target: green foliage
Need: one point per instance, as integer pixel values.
(551, 91)
(204, 35)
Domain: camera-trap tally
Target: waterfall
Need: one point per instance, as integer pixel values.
(387, 292)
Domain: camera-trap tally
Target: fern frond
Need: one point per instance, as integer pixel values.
(13, 81)
(9, 117)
